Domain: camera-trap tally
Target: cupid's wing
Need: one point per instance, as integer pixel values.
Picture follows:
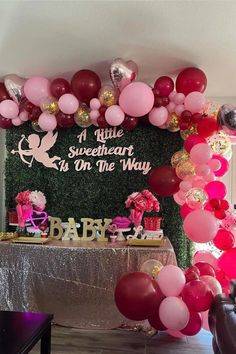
(48, 141)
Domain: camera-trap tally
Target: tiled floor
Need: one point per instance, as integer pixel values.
(76, 341)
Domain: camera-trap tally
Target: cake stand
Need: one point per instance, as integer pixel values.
(120, 236)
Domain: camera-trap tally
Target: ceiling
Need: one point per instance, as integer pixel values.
(54, 38)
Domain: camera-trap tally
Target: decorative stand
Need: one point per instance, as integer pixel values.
(120, 236)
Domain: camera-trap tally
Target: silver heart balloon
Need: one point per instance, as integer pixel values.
(227, 117)
(15, 87)
(123, 72)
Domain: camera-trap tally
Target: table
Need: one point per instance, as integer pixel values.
(74, 280)
(19, 332)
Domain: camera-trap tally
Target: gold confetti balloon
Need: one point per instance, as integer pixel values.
(220, 143)
(36, 127)
(185, 169)
(186, 133)
(82, 117)
(196, 198)
(212, 109)
(151, 267)
(173, 123)
(49, 105)
(179, 156)
(108, 96)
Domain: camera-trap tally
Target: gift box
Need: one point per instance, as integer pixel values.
(152, 223)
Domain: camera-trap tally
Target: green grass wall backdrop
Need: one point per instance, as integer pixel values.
(91, 193)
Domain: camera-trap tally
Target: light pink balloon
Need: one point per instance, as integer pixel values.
(47, 122)
(210, 177)
(68, 103)
(158, 116)
(205, 256)
(198, 182)
(36, 88)
(24, 116)
(178, 200)
(172, 95)
(171, 280)
(173, 313)
(171, 107)
(17, 121)
(95, 103)
(114, 115)
(185, 186)
(195, 102)
(94, 114)
(214, 164)
(200, 153)
(202, 170)
(179, 98)
(200, 226)
(205, 323)
(179, 109)
(9, 109)
(213, 284)
(136, 99)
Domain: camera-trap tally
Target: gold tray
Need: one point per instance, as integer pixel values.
(33, 240)
(7, 236)
(148, 243)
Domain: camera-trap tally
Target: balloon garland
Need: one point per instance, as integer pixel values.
(208, 132)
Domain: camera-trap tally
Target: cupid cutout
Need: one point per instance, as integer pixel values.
(38, 149)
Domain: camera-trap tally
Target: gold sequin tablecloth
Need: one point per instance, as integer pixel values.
(74, 280)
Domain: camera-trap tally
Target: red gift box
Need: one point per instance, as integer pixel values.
(152, 223)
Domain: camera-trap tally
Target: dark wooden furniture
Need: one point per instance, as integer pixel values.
(222, 322)
(20, 331)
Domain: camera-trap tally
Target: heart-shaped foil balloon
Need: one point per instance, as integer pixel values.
(123, 72)
(38, 219)
(15, 87)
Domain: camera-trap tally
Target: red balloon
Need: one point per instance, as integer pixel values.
(35, 113)
(26, 105)
(136, 296)
(164, 85)
(154, 319)
(224, 240)
(192, 140)
(194, 324)
(163, 181)
(102, 123)
(5, 123)
(222, 278)
(205, 269)
(85, 85)
(129, 123)
(192, 273)
(224, 165)
(3, 93)
(59, 87)
(216, 190)
(191, 79)
(65, 120)
(227, 263)
(197, 296)
(207, 126)
(185, 210)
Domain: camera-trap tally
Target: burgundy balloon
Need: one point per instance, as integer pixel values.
(136, 296)
(35, 113)
(5, 123)
(3, 93)
(85, 85)
(163, 181)
(194, 324)
(191, 79)
(102, 123)
(26, 105)
(129, 123)
(59, 87)
(205, 268)
(165, 85)
(65, 120)
(197, 296)
(192, 273)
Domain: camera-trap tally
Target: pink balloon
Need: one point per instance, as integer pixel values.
(202, 170)
(192, 140)
(114, 115)
(179, 98)
(205, 323)
(47, 122)
(200, 153)
(210, 177)
(216, 189)
(185, 210)
(17, 121)
(173, 313)
(158, 116)
(214, 164)
(185, 186)
(200, 226)
(68, 103)
(195, 102)
(179, 109)
(36, 88)
(205, 256)
(178, 200)
(227, 263)
(198, 182)
(224, 165)
(24, 116)
(9, 109)
(213, 284)
(136, 99)
(95, 104)
(171, 280)
(171, 107)
(94, 114)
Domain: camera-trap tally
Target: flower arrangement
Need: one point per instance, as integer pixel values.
(34, 198)
(139, 202)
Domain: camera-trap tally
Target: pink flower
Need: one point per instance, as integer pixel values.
(23, 197)
(136, 217)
